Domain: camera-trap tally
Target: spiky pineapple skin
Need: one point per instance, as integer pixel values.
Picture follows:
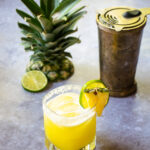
(60, 70)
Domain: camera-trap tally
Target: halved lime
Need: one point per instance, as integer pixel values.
(94, 93)
(34, 81)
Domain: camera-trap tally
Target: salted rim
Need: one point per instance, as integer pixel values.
(61, 90)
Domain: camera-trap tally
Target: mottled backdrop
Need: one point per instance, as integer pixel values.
(125, 124)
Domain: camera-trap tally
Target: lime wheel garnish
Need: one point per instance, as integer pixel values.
(94, 93)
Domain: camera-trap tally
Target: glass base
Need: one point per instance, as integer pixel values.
(50, 146)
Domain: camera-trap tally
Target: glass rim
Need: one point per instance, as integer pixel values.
(48, 96)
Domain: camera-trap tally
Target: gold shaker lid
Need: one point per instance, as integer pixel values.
(122, 18)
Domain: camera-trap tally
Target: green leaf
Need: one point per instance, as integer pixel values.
(48, 36)
(67, 54)
(48, 6)
(26, 44)
(59, 40)
(73, 20)
(60, 21)
(34, 25)
(31, 40)
(29, 31)
(70, 24)
(40, 56)
(76, 15)
(64, 7)
(30, 46)
(60, 28)
(51, 5)
(75, 11)
(36, 37)
(46, 24)
(56, 50)
(25, 16)
(55, 43)
(27, 48)
(26, 28)
(69, 32)
(51, 44)
(33, 7)
(43, 5)
(69, 42)
(35, 47)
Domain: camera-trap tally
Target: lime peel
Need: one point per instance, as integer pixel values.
(94, 93)
(34, 81)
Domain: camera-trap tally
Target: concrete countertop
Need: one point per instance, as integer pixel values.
(125, 124)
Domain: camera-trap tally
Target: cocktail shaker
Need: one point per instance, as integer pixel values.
(120, 33)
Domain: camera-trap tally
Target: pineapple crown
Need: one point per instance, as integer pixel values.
(47, 30)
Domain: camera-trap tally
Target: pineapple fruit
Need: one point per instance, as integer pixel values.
(47, 35)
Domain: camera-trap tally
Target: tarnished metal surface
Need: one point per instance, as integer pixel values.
(119, 52)
(125, 122)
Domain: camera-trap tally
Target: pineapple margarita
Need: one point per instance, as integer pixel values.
(70, 116)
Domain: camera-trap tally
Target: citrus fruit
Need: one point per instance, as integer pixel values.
(94, 93)
(34, 81)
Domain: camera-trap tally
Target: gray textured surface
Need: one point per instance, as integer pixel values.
(125, 122)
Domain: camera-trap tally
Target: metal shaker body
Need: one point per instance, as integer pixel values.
(119, 45)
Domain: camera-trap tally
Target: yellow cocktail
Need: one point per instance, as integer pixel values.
(67, 125)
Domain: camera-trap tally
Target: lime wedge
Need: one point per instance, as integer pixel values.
(94, 93)
(34, 81)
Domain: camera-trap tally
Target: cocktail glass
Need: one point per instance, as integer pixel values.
(68, 133)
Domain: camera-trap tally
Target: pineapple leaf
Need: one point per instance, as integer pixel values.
(64, 7)
(23, 14)
(43, 5)
(24, 32)
(46, 24)
(48, 6)
(35, 47)
(33, 7)
(58, 29)
(73, 20)
(26, 44)
(75, 17)
(31, 40)
(65, 18)
(48, 36)
(69, 32)
(51, 44)
(27, 48)
(55, 43)
(51, 5)
(33, 24)
(75, 11)
(69, 42)
(29, 32)
(70, 24)
(56, 50)
(60, 21)
(36, 37)
(41, 57)
(48, 57)
(67, 54)
(26, 28)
